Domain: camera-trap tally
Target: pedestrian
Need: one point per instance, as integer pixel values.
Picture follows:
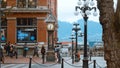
(43, 54)
(8, 48)
(5, 48)
(90, 54)
(25, 49)
(56, 56)
(15, 50)
(11, 51)
(1, 54)
(77, 55)
(36, 50)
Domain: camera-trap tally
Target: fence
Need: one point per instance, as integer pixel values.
(63, 61)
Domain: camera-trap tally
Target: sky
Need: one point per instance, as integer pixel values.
(66, 10)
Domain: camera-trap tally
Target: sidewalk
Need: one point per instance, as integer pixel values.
(23, 60)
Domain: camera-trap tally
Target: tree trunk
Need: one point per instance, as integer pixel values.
(111, 32)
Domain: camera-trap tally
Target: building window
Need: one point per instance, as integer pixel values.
(26, 30)
(3, 3)
(21, 3)
(32, 3)
(4, 30)
(26, 3)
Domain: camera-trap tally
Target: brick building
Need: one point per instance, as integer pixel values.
(24, 21)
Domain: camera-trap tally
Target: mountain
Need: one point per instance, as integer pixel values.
(94, 30)
(64, 30)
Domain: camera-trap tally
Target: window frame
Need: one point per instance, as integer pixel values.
(4, 27)
(25, 27)
(27, 4)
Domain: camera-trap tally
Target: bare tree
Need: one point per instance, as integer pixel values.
(111, 32)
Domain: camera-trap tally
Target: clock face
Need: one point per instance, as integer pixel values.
(50, 26)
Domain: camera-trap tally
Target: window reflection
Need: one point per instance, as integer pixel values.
(26, 30)
(3, 3)
(26, 3)
(3, 30)
(26, 34)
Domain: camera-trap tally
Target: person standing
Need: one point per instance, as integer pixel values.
(11, 51)
(15, 50)
(1, 55)
(56, 56)
(25, 49)
(43, 54)
(36, 50)
(8, 48)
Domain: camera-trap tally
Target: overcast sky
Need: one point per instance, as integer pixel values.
(66, 9)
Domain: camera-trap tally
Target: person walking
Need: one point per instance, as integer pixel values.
(8, 48)
(56, 56)
(1, 54)
(15, 50)
(43, 54)
(36, 50)
(25, 49)
(11, 51)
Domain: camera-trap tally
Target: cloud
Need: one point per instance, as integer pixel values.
(66, 9)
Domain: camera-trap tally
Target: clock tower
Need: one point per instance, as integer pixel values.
(50, 20)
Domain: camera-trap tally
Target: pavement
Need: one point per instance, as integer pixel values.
(23, 60)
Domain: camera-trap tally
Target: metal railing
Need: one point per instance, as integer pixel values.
(63, 61)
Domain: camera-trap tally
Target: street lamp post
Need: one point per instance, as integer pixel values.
(85, 10)
(72, 38)
(76, 28)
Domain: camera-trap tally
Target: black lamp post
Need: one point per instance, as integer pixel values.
(72, 38)
(85, 10)
(76, 28)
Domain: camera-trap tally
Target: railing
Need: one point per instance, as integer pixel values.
(63, 62)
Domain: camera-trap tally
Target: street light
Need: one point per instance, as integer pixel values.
(76, 28)
(85, 6)
(72, 38)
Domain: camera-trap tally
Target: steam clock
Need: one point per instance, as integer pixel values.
(50, 28)
(50, 20)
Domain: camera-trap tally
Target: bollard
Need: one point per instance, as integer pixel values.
(62, 65)
(94, 65)
(30, 62)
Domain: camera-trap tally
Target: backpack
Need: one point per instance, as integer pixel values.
(43, 51)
